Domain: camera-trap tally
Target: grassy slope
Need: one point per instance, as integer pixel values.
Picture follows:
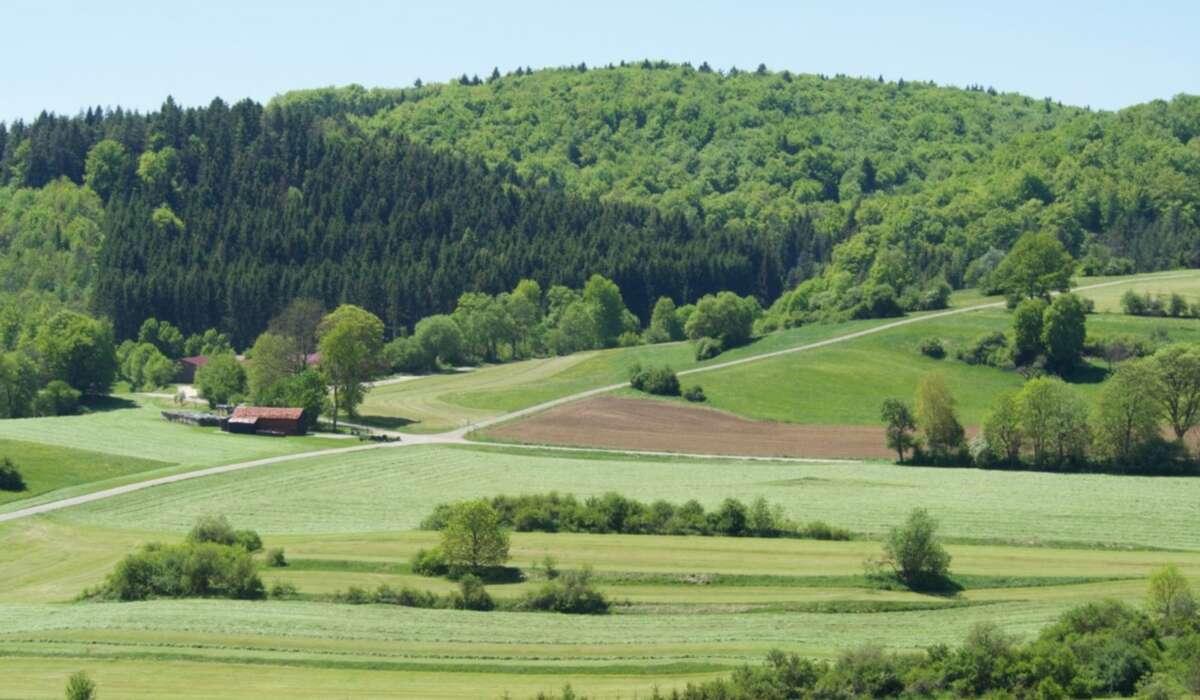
(48, 468)
(139, 433)
(444, 402)
(393, 489)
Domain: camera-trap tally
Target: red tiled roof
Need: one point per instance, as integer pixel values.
(195, 360)
(268, 412)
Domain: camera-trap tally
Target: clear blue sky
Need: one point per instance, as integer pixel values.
(65, 55)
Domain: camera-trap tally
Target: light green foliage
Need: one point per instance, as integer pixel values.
(49, 239)
(576, 330)
(1170, 598)
(80, 685)
(270, 361)
(157, 171)
(210, 342)
(1064, 329)
(725, 316)
(144, 366)
(473, 538)
(937, 418)
(162, 335)
(603, 298)
(1054, 419)
(305, 390)
(899, 425)
(222, 380)
(913, 552)
(56, 399)
(486, 324)
(1178, 386)
(106, 166)
(351, 344)
(1037, 265)
(440, 339)
(1129, 412)
(1003, 429)
(165, 221)
(664, 322)
(78, 350)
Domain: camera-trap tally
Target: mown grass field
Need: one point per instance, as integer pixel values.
(393, 489)
(127, 443)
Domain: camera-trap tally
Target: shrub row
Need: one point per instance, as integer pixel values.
(571, 592)
(613, 513)
(1147, 304)
(189, 570)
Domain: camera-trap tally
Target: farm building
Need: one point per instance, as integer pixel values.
(185, 372)
(266, 420)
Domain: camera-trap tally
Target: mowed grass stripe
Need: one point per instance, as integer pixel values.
(392, 490)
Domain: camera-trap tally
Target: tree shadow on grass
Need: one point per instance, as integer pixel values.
(942, 586)
(103, 404)
(383, 422)
(1086, 373)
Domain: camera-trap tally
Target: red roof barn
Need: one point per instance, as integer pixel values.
(185, 372)
(266, 419)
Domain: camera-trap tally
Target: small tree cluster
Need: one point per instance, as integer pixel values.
(1146, 304)
(660, 381)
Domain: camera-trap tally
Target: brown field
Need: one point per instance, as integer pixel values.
(636, 424)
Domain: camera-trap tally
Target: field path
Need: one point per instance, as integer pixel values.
(459, 436)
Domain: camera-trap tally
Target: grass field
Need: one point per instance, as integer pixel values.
(47, 468)
(394, 489)
(131, 442)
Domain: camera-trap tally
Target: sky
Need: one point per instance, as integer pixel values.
(64, 56)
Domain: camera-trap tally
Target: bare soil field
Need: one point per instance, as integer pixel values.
(636, 424)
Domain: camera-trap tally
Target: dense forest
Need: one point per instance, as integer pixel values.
(669, 179)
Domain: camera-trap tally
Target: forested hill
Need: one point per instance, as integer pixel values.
(669, 179)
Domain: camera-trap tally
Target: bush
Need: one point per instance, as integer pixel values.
(471, 595)
(629, 339)
(212, 528)
(283, 590)
(405, 597)
(80, 687)
(695, 394)
(248, 540)
(708, 348)
(660, 381)
(571, 592)
(914, 554)
(56, 399)
(989, 349)
(430, 562)
(10, 476)
(276, 558)
(932, 347)
(204, 570)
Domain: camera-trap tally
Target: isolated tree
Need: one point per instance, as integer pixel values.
(473, 537)
(1054, 420)
(899, 426)
(914, 553)
(1178, 385)
(81, 687)
(78, 350)
(1128, 412)
(222, 380)
(298, 324)
(936, 417)
(1064, 330)
(1002, 428)
(604, 298)
(271, 360)
(1170, 599)
(1027, 330)
(1037, 265)
(351, 345)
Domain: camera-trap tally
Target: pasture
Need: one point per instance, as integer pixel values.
(126, 443)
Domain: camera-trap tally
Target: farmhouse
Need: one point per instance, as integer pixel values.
(185, 372)
(266, 420)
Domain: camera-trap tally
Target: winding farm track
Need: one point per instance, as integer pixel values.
(459, 436)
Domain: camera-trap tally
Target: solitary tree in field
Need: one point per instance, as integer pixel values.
(899, 426)
(913, 552)
(473, 537)
(1037, 265)
(1178, 387)
(351, 348)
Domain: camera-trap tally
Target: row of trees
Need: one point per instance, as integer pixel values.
(1047, 425)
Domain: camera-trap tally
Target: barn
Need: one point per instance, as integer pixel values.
(185, 372)
(266, 420)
